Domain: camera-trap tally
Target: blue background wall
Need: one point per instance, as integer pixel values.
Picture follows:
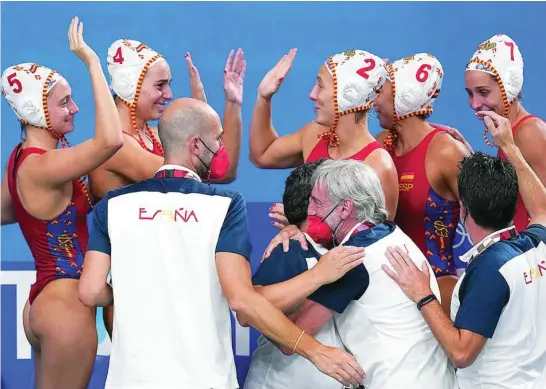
(37, 32)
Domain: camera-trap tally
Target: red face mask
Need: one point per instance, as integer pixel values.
(320, 232)
(219, 165)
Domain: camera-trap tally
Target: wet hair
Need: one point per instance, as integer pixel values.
(297, 191)
(360, 116)
(488, 189)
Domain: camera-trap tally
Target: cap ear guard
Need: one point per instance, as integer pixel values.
(358, 75)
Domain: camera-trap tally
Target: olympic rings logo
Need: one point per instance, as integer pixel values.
(460, 236)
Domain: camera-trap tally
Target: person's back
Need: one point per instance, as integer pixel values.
(270, 368)
(383, 328)
(184, 337)
(494, 336)
(516, 354)
(179, 251)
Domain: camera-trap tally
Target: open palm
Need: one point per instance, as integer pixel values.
(77, 43)
(234, 74)
(274, 78)
(196, 86)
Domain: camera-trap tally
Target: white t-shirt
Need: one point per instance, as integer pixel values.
(502, 296)
(172, 323)
(270, 368)
(380, 325)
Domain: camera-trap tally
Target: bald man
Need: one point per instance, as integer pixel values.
(185, 257)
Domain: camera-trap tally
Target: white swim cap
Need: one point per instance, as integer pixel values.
(358, 75)
(416, 83)
(500, 57)
(25, 87)
(128, 61)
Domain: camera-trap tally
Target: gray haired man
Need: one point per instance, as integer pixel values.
(378, 324)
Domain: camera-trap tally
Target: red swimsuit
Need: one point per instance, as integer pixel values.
(58, 245)
(321, 151)
(157, 149)
(426, 217)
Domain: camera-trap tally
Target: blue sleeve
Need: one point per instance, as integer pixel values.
(98, 234)
(281, 266)
(234, 236)
(537, 231)
(483, 295)
(337, 295)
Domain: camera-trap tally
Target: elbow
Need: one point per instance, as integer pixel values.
(115, 144)
(87, 299)
(242, 320)
(86, 295)
(111, 145)
(239, 305)
(461, 359)
(258, 161)
(242, 309)
(8, 218)
(229, 177)
(254, 158)
(286, 351)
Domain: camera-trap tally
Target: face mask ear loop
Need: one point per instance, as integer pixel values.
(204, 164)
(324, 219)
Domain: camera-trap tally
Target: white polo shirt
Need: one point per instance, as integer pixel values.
(172, 326)
(270, 368)
(502, 296)
(377, 323)
(382, 327)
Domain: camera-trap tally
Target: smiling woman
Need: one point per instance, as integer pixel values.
(494, 82)
(42, 191)
(141, 83)
(428, 201)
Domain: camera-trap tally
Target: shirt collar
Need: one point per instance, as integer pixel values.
(318, 247)
(191, 173)
(505, 233)
(357, 228)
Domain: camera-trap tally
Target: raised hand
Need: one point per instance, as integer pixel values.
(274, 78)
(78, 45)
(234, 74)
(196, 86)
(499, 127)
